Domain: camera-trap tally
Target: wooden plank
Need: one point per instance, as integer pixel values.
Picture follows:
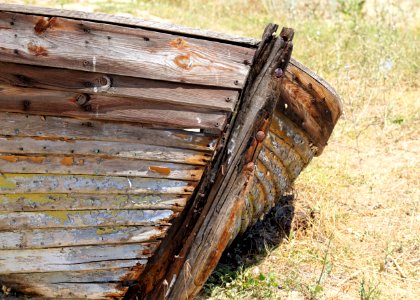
(102, 149)
(68, 290)
(121, 86)
(84, 218)
(41, 202)
(99, 107)
(44, 183)
(68, 129)
(74, 258)
(132, 22)
(81, 165)
(58, 237)
(98, 47)
(311, 103)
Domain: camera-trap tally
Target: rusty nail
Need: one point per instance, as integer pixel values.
(250, 166)
(260, 136)
(228, 99)
(236, 82)
(278, 72)
(217, 124)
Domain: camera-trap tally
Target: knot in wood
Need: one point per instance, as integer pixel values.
(260, 136)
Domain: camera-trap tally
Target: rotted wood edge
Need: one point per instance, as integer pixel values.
(169, 274)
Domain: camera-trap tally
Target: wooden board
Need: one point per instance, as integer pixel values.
(102, 149)
(68, 129)
(99, 107)
(52, 202)
(74, 258)
(40, 183)
(185, 95)
(132, 22)
(84, 218)
(98, 47)
(81, 165)
(59, 237)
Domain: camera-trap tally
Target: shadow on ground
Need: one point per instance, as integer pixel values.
(251, 247)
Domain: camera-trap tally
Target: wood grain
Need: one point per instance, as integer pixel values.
(132, 22)
(85, 218)
(81, 165)
(102, 149)
(185, 95)
(99, 107)
(99, 47)
(52, 202)
(74, 258)
(46, 183)
(68, 129)
(58, 237)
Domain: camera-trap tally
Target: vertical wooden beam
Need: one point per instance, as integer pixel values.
(193, 248)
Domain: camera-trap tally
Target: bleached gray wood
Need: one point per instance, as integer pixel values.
(68, 129)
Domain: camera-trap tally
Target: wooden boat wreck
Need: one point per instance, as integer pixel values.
(132, 152)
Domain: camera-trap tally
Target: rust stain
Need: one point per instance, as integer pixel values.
(179, 43)
(67, 161)
(5, 27)
(43, 24)
(37, 50)
(161, 170)
(37, 159)
(9, 158)
(184, 61)
(16, 158)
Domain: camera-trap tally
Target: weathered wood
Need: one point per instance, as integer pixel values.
(65, 290)
(223, 219)
(220, 218)
(58, 237)
(84, 218)
(105, 48)
(41, 202)
(99, 107)
(113, 85)
(68, 129)
(102, 149)
(81, 165)
(311, 103)
(132, 22)
(44, 183)
(74, 258)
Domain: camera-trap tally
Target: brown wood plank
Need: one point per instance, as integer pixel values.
(68, 129)
(311, 103)
(99, 107)
(84, 218)
(58, 237)
(118, 86)
(74, 258)
(46, 183)
(81, 165)
(96, 290)
(52, 202)
(98, 47)
(132, 22)
(102, 149)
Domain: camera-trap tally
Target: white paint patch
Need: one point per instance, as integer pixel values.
(95, 89)
(198, 120)
(94, 63)
(129, 182)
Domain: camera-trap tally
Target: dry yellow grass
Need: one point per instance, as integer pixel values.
(364, 190)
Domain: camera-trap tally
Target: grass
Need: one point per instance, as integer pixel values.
(360, 199)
